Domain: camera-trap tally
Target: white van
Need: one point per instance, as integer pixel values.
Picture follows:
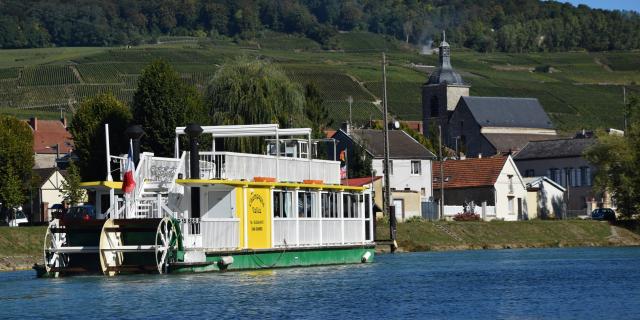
(18, 218)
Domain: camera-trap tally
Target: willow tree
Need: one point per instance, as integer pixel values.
(247, 91)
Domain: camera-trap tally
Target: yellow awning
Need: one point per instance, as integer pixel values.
(239, 183)
(101, 185)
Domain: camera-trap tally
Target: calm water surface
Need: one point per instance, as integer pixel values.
(589, 283)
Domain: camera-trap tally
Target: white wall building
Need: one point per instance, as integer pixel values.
(409, 167)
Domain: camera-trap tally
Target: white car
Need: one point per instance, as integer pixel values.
(18, 218)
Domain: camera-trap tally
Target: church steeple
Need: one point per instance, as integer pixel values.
(445, 72)
(445, 53)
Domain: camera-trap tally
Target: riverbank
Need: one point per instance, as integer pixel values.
(452, 235)
(21, 247)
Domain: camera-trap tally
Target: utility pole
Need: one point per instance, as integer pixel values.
(350, 100)
(441, 173)
(624, 101)
(386, 199)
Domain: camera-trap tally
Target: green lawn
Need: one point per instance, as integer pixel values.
(21, 241)
(536, 233)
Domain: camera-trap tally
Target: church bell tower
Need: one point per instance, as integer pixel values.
(441, 92)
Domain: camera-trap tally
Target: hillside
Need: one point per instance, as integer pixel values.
(578, 89)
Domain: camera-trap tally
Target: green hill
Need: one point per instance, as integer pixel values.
(578, 89)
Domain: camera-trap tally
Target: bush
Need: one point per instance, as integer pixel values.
(414, 219)
(466, 216)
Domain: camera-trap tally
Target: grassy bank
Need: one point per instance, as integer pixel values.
(20, 247)
(424, 235)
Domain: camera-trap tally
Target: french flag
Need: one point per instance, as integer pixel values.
(128, 182)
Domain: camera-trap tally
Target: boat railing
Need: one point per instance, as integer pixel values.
(236, 166)
(301, 232)
(211, 233)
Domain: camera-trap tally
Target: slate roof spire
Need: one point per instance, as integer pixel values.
(445, 72)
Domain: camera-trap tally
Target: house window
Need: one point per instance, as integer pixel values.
(510, 205)
(585, 173)
(416, 168)
(423, 192)
(329, 202)
(307, 204)
(282, 204)
(529, 173)
(510, 183)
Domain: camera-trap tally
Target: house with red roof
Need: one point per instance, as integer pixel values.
(51, 141)
(494, 182)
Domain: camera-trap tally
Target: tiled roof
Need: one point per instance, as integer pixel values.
(359, 182)
(401, 145)
(468, 173)
(559, 148)
(513, 142)
(507, 112)
(48, 133)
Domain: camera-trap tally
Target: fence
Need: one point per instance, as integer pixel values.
(216, 234)
(230, 165)
(315, 231)
(431, 210)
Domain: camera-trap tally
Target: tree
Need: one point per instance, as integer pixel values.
(87, 129)
(617, 159)
(316, 111)
(163, 102)
(71, 191)
(248, 91)
(358, 162)
(11, 189)
(16, 160)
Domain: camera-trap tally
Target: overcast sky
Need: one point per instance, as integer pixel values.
(609, 4)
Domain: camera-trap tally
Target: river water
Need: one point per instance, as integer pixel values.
(576, 283)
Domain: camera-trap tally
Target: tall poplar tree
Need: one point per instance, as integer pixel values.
(163, 102)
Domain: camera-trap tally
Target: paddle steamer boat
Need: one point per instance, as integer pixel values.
(216, 210)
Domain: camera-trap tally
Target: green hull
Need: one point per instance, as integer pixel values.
(268, 259)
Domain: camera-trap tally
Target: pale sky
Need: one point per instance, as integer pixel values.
(609, 4)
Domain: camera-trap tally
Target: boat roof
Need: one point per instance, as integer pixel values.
(240, 183)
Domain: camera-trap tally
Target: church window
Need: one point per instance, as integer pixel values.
(435, 107)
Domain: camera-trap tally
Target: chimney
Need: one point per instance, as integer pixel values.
(33, 122)
(64, 121)
(346, 127)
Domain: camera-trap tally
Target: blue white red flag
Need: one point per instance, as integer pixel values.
(128, 181)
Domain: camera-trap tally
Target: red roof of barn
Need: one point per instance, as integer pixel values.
(48, 133)
(468, 173)
(358, 182)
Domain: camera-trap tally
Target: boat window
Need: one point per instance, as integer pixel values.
(282, 204)
(329, 204)
(350, 205)
(307, 204)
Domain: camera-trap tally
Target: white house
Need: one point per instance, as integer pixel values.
(545, 198)
(409, 167)
(47, 192)
(494, 182)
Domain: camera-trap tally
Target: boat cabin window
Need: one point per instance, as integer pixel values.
(307, 204)
(351, 205)
(219, 204)
(283, 204)
(329, 204)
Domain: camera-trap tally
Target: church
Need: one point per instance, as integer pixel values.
(479, 126)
